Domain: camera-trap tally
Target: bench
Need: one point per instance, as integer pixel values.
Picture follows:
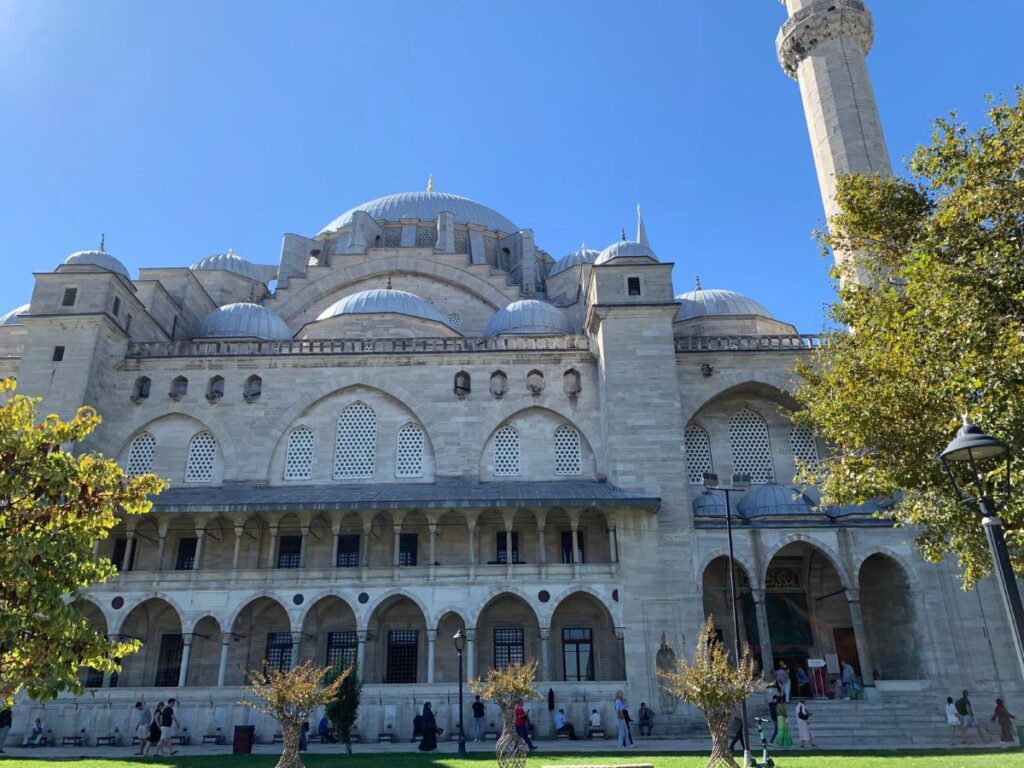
(491, 735)
(213, 738)
(386, 736)
(278, 739)
(107, 741)
(75, 741)
(559, 736)
(596, 733)
(182, 738)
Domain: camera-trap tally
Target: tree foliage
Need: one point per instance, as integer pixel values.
(344, 707)
(290, 698)
(713, 684)
(939, 331)
(53, 506)
(506, 686)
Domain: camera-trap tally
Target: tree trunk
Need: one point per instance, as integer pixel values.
(290, 757)
(510, 750)
(718, 725)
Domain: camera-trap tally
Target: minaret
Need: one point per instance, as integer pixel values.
(824, 46)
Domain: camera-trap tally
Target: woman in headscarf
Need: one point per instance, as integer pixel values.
(1004, 718)
(429, 741)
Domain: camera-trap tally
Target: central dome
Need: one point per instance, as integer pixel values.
(425, 206)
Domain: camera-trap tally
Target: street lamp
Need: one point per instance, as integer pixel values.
(459, 639)
(740, 484)
(983, 464)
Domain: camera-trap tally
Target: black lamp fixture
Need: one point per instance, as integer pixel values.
(459, 640)
(978, 467)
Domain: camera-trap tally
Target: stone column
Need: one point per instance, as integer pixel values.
(237, 556)
(162, 545)
(129, 552)
(364, 545)
(225, 644)
(197, 561)
(186, 647)
(273, 546)
(860, 636)
(761, 616)
(432, 527)
(545, 668)
(398, 545)
(542, 555)
(361, 654)
(471, 520)
(296, 642)
(431, 643)
(304, 533)
(334, 549)
(470, 653)
(613, 553)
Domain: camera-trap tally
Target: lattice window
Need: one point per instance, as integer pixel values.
(783, 577)
(751, 449)
(567, 451)
(509, 647)
(355, 451)
(491, 251)
(141, 455)
(168, 661)
(279, 651)
(698, 453)
(341, 648)
(409, 461)
(455, 319)
(426, 237)
(403, 647)
(298, 458)
(392, 237)
(461, 240)
(202, 453)
(506, 451)
(805, 447)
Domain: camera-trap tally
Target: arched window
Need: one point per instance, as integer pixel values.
(140, 455)
(499, 384)
(141, 389)
(506, 451)
(805, 447)
(179, 388)
(298, 456)
(571, 383)
(215, 389)
(253, 389)
(698, 453)
(751, 449)
(463, 384)
(409, 460)
(567, 451)
(202, 452)
(355, 451)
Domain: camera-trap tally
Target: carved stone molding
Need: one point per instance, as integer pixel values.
(822, 20)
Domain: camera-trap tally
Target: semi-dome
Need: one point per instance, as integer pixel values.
(385, 301)
(14, 316)
(98, 259)
(623, 249)
(709, 505)
(243, 320)
(713, 301)
(773, 500)
(583, 256)
(528, 316)
(229, 262)
(425, 206)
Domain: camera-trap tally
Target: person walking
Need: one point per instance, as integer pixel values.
(803, 725)
(1003, 716)
(167, 722)
(785, 739)
(782, 680)
(621, 735)
(849, 675)
(428, 724)
(803, 683)
(479, 713)
(737, 727)
(773, 714)
(966, 712)
(523, 724)
(142, 727)
(954, 722)
(154, 727)
(6, 718)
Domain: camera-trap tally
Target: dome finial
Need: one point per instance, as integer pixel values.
(623, 234)
(388, 284)
(698, 288)
(641, 230)
(103, 241)
(231, 252)
(430, 183)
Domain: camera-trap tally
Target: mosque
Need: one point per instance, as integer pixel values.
(419, 421)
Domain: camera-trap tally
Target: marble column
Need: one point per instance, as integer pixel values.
(197, 561)
(361, 654)
(129, 552)
(470, 653)
(431, 643)
(860, 636)
(225, 644)
(303, 545)
(161, 548)
(545, 668)
(613, 553)
(432, 527)
(398, 545)
(761, 616)
(273, 546)
(237, 556)
(186, 648)
(296, 642)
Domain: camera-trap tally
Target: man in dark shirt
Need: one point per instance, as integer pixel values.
(479, 713)
(5, 727)
(167, 721)
(966, 712)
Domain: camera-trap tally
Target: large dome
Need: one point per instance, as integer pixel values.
(98, 259)
(528, 316)
(229, 262)
(243, 321)
(425, 206)
(14, 316)
(385, 301)
(713, 301)
(583, 256)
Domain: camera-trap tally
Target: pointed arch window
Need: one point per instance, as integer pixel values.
(567, 451)
(355, 451)
(698, 453)
(751, 448)
(506, 451)
(298, 457)
(409, 458)
(202, 453)
(141, 455)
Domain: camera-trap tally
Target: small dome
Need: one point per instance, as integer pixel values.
(229, 262)
(713, 301)
(385, 301)
(14, 316)
(709, 505)
(773, 501)
(528, 316)
(98, 259)
(243, 321)
(623, 249)
(583, 256)
(425, 206)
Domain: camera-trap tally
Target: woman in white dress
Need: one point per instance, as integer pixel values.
(803, 725)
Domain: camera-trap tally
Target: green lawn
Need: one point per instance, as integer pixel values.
(988, 759)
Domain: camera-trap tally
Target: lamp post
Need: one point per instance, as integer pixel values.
(459, 640)
(740, 483)
(984, 462)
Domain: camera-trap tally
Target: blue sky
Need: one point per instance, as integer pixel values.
(182, 129)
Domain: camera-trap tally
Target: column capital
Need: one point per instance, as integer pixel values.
(362, 635)
(431, 635)
(853, 595)
(545, 633)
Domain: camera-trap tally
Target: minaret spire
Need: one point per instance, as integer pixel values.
(698, 288)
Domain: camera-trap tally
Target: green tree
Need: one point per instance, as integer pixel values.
(939, 331)
(344, 707)
(53, 506)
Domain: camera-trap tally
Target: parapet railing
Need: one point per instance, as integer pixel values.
(807, 11)
(242, 348)
(787, 343)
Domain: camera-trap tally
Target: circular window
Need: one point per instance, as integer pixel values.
(297, 599)
(363, 598)
(117, 602)
(615, 595)
(543, 595)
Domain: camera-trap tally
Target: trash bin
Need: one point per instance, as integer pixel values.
(1020, 736)
(244, 737)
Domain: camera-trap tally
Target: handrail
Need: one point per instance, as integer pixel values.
(781, 343)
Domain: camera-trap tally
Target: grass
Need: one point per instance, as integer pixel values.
(973, 759)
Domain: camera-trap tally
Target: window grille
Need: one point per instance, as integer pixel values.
(698, 453)
(403, 647)
(633, 286)
(567, 547)
(751, 449)
(392, 237)
(355, 451)
(426, 237)
(215, 389)
(141, 455)
(348, 551)
(461, 240)
(279, 651)
(409, 461)
(341, 649)
(501, 547)
(186, 554)
(407, 546)
(805, 447)
(506, 451)
(567, 451)
(253, 389)
(68, 300)
(298, 457)
(578, 654)
(179, 387)
(58, 354)
(509, 648)
(455, 320)
(289, 551)
(491, 251)
(168, 665)
(201, 454)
